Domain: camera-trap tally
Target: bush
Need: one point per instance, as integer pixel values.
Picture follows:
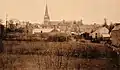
(91, 53)
(58, 38)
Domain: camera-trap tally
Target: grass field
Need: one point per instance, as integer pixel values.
(29, 55)
(35, 62)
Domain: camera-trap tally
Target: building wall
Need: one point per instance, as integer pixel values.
(115, 36)
(43, 30)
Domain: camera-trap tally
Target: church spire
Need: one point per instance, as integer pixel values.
(46, 11)
(46, 16)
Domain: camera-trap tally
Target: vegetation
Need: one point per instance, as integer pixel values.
(58, 38)
(53, 55)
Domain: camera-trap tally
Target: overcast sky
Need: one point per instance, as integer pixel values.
(89, 10)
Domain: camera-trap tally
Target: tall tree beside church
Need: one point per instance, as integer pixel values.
(111, 26)
(105, 23)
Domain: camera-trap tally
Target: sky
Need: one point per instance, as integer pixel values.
(90, 11)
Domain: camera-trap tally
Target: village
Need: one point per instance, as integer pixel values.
(59, 44)
(14, 29)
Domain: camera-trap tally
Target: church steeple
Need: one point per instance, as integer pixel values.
(46, 16)
(46, 11)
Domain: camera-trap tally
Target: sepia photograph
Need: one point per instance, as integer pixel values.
(59, 34)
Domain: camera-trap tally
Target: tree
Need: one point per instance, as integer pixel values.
(75, 27)
(105, 23)
(111, 26)
(11, 26)
(1, 35)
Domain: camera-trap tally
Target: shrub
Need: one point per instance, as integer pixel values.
(58, 38)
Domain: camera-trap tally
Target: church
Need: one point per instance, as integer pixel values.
(66, 26)
(47, 22)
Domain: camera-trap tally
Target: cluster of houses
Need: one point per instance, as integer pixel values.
(72, 28)
(63, 26)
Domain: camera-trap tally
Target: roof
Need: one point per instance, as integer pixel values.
(43, 30)
(101, 30)
(105, 35)
(55, 30)
(54, 22)
(81, 33)
(116, 27)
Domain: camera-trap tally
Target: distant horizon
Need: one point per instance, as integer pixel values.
(89, 11)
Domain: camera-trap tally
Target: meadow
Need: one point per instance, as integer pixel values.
(30, 55)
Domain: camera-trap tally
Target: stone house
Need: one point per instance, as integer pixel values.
(115, 35)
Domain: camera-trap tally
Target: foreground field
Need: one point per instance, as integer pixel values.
(36, 62)
(28, 55)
